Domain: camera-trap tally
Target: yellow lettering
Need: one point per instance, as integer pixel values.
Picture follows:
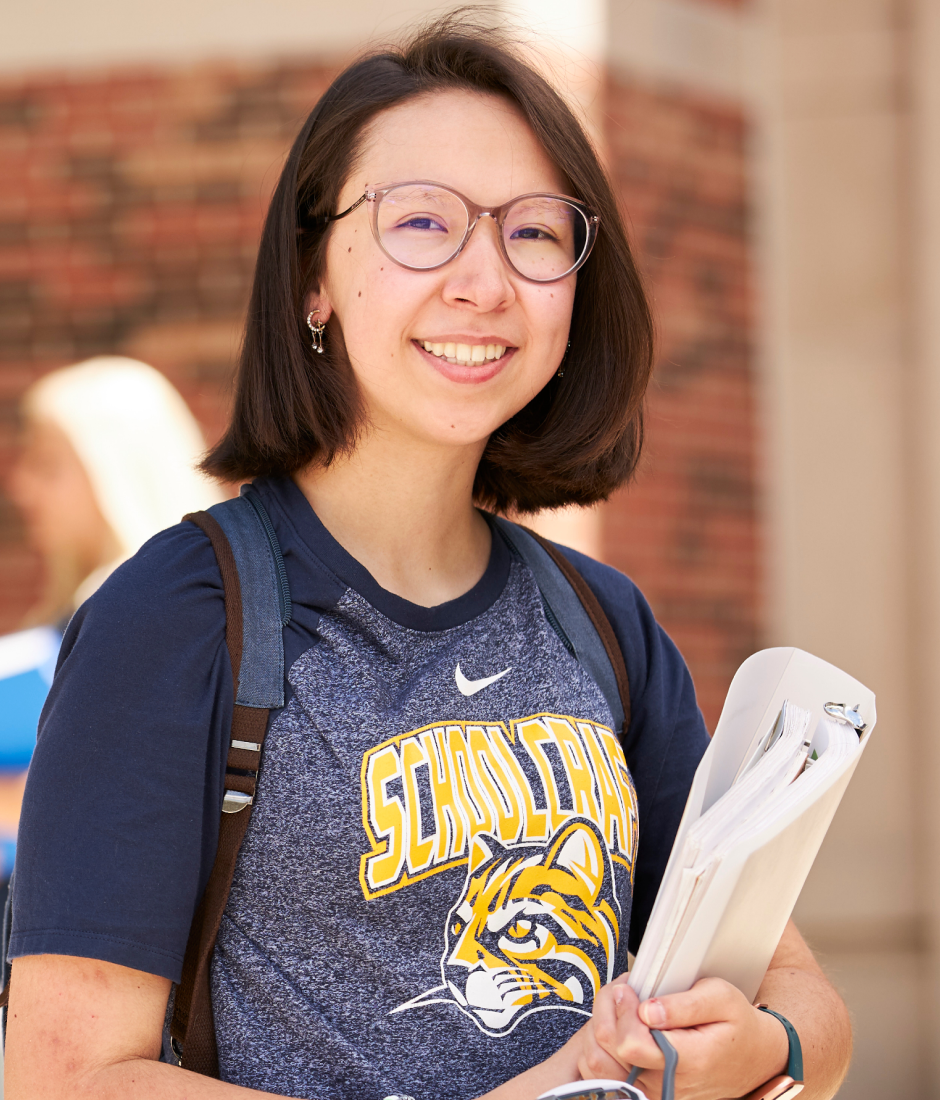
(419, 851)
(533, 734)
(478, 781)
(480, 814)
(535, 821)
(449, 814)
(618, 767)
(578, 768)
(383, 864)
(612, 812)
(494, 780)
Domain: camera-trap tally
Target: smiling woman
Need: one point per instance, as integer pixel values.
(463, 813)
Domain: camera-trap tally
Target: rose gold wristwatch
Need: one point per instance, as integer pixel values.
(777, 1088)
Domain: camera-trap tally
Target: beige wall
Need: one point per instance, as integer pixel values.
(849, 198)
(40, 34)
(922, 57)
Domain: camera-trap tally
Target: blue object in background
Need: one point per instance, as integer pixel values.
(21, 700)
(27, 664)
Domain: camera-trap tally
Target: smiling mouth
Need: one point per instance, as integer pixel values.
(464, 355)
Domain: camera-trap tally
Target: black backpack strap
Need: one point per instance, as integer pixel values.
(257, 607)
(576, 615)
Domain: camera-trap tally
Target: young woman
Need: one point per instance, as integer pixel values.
(448, 859)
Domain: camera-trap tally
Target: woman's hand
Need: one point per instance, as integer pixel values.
(726, 1047)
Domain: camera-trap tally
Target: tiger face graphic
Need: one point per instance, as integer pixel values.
(536, 927)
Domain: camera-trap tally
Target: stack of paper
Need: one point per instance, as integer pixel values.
(790, 736)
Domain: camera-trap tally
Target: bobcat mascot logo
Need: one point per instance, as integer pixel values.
(536, 927)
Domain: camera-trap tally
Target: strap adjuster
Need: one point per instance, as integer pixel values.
(233, 801)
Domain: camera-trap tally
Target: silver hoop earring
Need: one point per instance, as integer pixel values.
(316, 331)
(561, 370)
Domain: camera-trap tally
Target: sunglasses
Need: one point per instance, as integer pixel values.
(422, 226)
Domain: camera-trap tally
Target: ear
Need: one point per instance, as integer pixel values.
(577, 848)
(483, 848)
(318, 299)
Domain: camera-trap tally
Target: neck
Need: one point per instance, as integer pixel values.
(405, 511)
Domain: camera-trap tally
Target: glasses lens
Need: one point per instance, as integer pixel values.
(545, 237)
(420, 225)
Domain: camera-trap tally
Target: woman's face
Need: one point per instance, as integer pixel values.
(480, 146)
(54, 494)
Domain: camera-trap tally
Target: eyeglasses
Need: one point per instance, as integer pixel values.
(422, 226)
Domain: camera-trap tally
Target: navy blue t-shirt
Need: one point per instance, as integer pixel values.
(450, 850)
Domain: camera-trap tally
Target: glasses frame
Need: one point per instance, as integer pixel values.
(474, 213)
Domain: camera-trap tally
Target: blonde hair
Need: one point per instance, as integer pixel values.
(138, 443)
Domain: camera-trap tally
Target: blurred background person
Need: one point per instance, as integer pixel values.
(108, 459)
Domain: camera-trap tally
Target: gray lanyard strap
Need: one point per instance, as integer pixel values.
(669, 1073)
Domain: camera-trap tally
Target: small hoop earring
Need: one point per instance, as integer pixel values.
(561, 370)
(316, 331)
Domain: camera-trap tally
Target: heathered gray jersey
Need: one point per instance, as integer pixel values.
(437, 877)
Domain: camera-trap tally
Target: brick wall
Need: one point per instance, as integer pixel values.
(686, 531)
(130, 207)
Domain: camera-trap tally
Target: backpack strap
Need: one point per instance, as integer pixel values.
(576, 615)
(257, 607)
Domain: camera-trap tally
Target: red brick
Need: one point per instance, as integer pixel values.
(132, 202)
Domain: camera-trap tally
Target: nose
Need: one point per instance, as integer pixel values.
(480, 276)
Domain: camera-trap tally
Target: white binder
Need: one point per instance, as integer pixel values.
(724, 915)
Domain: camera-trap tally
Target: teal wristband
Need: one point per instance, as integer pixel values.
(795, 1064)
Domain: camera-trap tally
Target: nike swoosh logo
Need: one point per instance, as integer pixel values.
(471, 687)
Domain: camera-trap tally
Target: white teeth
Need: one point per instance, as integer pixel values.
(465, 354)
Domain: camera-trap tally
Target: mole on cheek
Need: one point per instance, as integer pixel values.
(360, 293)
(349, 249)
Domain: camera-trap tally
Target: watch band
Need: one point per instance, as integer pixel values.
(794, 1068)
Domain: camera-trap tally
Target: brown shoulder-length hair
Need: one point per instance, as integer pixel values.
(579, 438)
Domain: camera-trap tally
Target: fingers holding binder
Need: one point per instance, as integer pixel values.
(616, 1039)
(725, 1046)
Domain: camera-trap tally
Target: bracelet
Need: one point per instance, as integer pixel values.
(795, 1063)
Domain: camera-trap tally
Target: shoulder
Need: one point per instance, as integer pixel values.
(152, 636)
(172, 585)
(648, 651)
(137, 720)
(666, 721)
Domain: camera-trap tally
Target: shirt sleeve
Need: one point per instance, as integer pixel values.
(121, 812)
(667, 736)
